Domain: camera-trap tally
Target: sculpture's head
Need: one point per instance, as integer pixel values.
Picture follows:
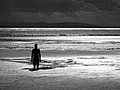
(35, 46)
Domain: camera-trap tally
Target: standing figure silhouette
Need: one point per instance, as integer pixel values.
(35, 57)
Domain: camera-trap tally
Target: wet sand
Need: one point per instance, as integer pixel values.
(55, 53)
(93, 70)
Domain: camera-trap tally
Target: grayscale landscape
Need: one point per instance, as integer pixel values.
(72, 59)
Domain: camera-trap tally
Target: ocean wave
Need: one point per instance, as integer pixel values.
(61, 43)
(62, 47)
(21, 32)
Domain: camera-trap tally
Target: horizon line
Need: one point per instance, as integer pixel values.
(50, 29)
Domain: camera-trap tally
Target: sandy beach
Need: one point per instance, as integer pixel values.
(93, 70)
(71, 60)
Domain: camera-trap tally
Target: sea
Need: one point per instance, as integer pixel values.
(60, 39)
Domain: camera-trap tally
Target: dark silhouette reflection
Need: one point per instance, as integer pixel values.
(35, 57)
(30, 69)
(41, 68)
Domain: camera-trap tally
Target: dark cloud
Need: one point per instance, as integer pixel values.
(45, 5)
(63, 5)
(90, 11)
(104, 4)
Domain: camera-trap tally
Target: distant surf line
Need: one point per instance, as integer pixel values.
(46, 29)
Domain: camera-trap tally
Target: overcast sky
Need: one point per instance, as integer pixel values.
(85, 11)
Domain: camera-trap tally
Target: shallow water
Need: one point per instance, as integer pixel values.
(60, 39)
(62, 42)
